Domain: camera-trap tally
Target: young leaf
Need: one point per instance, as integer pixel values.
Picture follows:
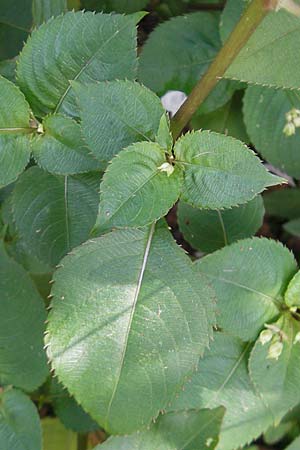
(291, 296)
(220, 171)
(178, 52)
(265, 114)
(222, 379)
(75, 46)
(135, 190)
(275, 371)
(264, 59)
(164, 136)
(250, 278)
(188, 430)
(22, 315)
(68, 410)
(208, 231)
(117, 114)
(61, 149)
(53, 214)
(43, 10)
(156, 318)
(19, 422)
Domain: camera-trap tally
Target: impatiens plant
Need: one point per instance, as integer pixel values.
(137, 309)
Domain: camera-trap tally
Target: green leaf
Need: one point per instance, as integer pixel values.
(222, 379)
(220, 171)
(14, 118)
(294, 445)
(226, 120)
(250, 278)
(277, 380)
(265, 112)
(178, 52)
(104, 50)
(56, 436)
(164, 136)
(14, 157)
(43, 10)
(61, 149)
(156, 318)
(22, 316)
(265, 59)
(15, 24)
(117, 114)
(230, 16)
(120, 6)
(69, 412)
(210, 230)
(291, 296)
(8, 69)
(284, 203)
(275, 434)
(188, 430)
(19, 422)
(293, 227)
(14, 109)
(135, 191)
(53, 214)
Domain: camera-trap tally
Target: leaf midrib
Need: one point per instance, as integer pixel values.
(135, 299)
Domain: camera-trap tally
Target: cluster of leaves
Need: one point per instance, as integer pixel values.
(159, 350)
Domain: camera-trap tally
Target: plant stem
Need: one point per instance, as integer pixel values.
(82, 441)
(248, 23)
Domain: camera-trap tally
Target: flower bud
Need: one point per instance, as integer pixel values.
(265, 336)
(275, 350)
(166, 167)
(289, 129)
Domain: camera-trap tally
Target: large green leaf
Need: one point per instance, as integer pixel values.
(19, 422)
(56, 436)
(75, 46)
(135, 191)
(210, 230)
(61, 149)
(178, 52)
(53, 214)
(250, 278)
(222, 379)
(291, 296)
(284, 203)
(220, 171)
(277, 380)
(22, 316)
(43, 10)
(14, 118)
(14, 109)
(294, 445)
(120, 6)
(155, 321)
(226, 120)
(293, 227)
(188, 430)
(265, 112)
(15, 24)
(116, 114)
(68, 410)
(14, 157)
(265, 59)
